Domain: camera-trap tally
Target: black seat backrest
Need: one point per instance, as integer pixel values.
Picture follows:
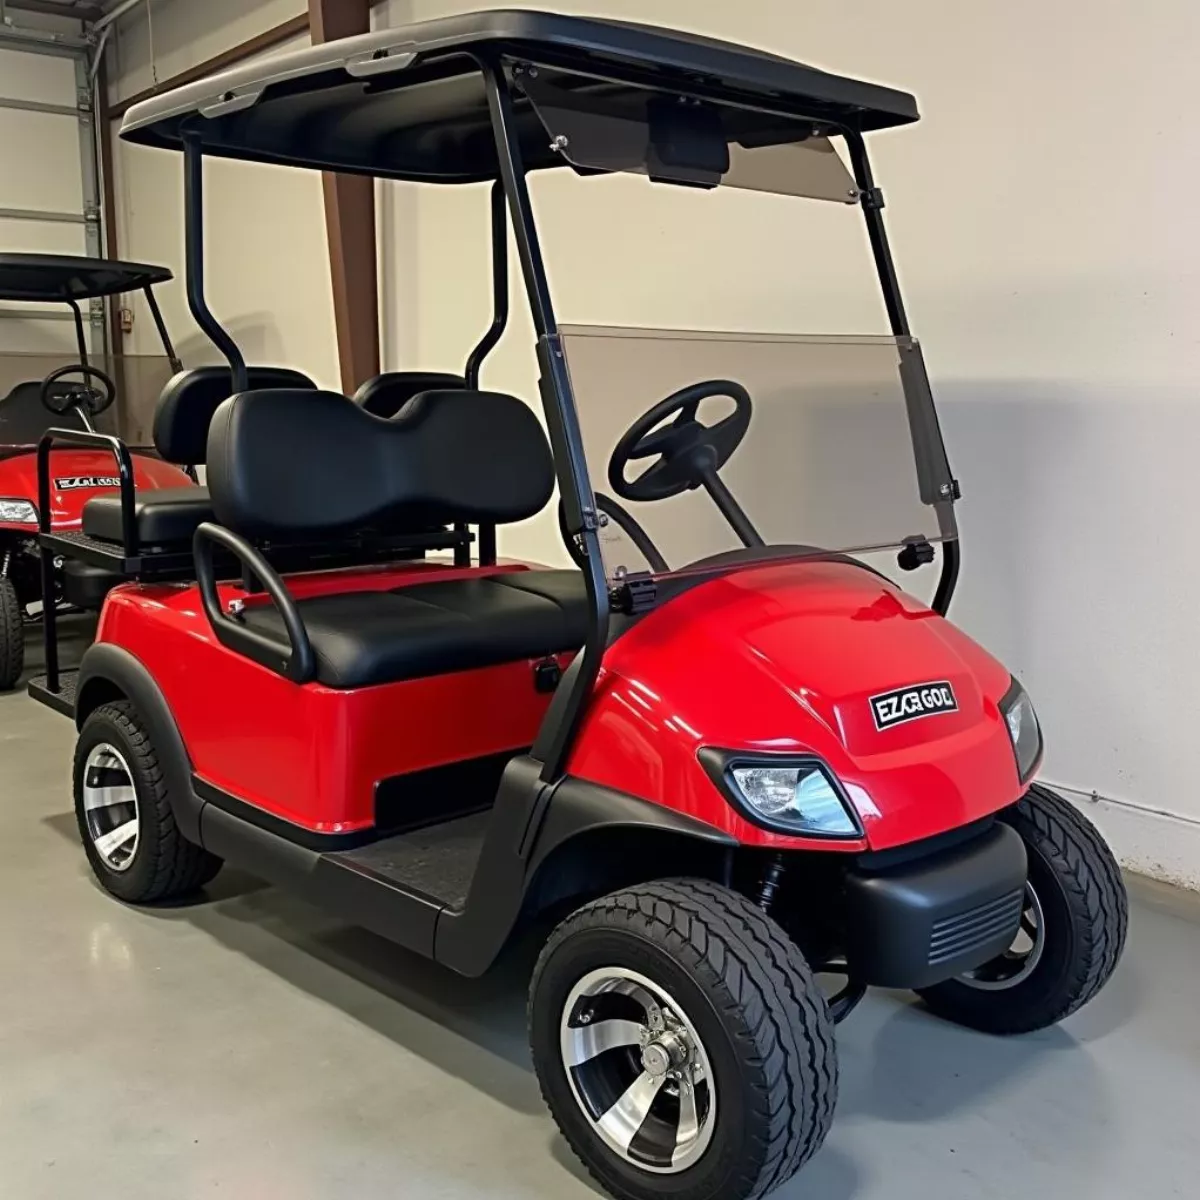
(24, 418)
(281, 468)
(385, 395)
(189, 399)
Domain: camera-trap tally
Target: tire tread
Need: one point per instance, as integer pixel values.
(1094, 894)
(12, 636)
(765, 987)
(180, 866)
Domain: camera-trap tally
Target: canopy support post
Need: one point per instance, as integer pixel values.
(161, 326)
(80, 335)
(193, 236)
(350, 224)
(872, 206)
(566, 712)
(487, 343)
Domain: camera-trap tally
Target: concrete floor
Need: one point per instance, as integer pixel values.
(249, 1047)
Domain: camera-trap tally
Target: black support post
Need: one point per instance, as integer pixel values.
(871, 199)
(193, 234)
(570, 701)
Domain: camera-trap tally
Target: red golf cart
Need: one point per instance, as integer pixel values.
(73, 395)
(725, 752)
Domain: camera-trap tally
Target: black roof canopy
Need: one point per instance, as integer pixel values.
(65, 277)
(409, 103)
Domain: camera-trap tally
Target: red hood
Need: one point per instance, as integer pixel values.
(69, 471)
(788, 659)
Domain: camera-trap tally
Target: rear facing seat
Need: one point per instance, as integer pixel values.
(449, 456)
(181, 420)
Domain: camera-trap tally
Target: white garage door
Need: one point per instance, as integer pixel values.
(48, 197)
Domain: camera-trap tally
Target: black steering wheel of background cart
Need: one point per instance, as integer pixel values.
(94, 401)
(688, 451)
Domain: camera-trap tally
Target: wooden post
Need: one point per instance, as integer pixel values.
(350, 224)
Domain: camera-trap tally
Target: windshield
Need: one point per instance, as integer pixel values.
(601, 126)
(699, 444)
(24, 419)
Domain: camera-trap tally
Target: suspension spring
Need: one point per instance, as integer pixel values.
(772, 877)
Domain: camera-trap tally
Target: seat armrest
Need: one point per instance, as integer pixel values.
(105, 441)
(293, 659)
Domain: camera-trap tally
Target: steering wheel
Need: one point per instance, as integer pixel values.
(689, 452)
(92, 400)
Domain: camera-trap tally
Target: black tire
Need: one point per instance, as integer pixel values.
(755, 1007)
(163, 865)
(1086, 914)
(12, 636)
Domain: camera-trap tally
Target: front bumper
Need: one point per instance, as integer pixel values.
(926, 920)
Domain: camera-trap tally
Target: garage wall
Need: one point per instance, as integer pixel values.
(1048, 253)
(41, 172)
(267, 263)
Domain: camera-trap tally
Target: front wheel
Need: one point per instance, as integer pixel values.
(682, 1044)
(1072, 930)
(12, 636)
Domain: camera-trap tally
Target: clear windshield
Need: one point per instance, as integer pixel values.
(821, 444)
(24, 418)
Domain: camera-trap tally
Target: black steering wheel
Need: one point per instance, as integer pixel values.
(92, 400)
(689, 452)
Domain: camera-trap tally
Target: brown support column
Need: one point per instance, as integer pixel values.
(350, 224)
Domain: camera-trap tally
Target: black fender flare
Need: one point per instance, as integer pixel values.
(107, 670)
(533, 822)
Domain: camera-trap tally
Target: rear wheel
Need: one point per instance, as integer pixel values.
(124, 812)
(12, 636)
(1072, 930)
(682, 1044)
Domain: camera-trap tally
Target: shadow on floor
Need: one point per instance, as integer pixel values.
(472, 1029)
(901, 1064)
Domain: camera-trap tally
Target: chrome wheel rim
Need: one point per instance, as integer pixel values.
(638, 1070)
(1021, 959)
(110, 806)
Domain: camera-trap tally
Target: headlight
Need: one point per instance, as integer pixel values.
(1023, 729)
(18, 512)
(791, 796)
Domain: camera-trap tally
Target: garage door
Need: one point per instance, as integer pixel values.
(48, 193)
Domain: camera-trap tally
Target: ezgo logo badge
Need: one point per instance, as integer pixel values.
(73, 482)
(912, 703)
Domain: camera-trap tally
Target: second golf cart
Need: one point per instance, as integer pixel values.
(722, 754)
(76, 396)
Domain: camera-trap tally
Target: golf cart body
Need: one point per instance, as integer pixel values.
(720, 690)
(93, 398)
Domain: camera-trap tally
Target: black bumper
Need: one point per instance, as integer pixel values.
(927, 920)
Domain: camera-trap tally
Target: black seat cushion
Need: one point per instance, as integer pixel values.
(385, 395)
(164, 515)
(287, 464)
(365, 638)
(188, 400)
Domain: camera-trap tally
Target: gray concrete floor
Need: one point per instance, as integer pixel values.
(249, 1047)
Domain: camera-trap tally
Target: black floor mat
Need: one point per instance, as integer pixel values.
(438, 861)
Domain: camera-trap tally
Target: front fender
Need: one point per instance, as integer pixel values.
(784, 659)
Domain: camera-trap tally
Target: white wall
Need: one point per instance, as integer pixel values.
(267, 264)
(1042, 217)
(40, 170)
